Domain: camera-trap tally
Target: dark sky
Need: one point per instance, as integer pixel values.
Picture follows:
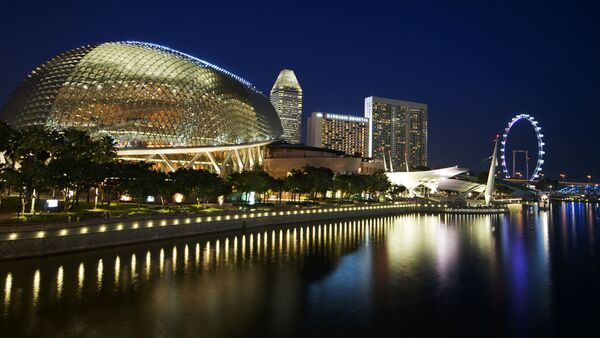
(476, 64)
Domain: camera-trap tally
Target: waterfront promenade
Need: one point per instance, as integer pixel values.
(46, 239)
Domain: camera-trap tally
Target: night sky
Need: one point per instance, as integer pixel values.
(475, 64)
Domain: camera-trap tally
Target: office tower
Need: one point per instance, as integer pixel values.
(398, 129)
(286, 97)
(347, 133)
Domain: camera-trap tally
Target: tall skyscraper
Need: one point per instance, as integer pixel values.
(286, 97)
(398, 128)
(347, 133)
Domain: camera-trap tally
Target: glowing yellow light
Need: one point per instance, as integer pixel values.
(178, 198)
(64, 232)
(59, 281)
(120, 227)
(161, 260)
(100, 272)
(135, 225)
(12, 236)
(84, 230)
(133, 264)
(36, 286)
(148, 260)
(117, 270)
(7, 290)
(41, 234)
(80, 276)
(149, 224)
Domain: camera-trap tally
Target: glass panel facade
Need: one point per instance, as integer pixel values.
(144, 96)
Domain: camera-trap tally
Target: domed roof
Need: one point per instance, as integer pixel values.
(144, 96)
(287, 80)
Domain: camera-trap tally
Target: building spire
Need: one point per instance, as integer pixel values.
(489, 187)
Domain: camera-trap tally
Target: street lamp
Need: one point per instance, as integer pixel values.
(562, 176)
(589, 177)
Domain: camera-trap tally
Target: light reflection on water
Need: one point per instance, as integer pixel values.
(504, 272)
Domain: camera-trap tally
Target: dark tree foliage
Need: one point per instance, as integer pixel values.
(256, 180)
(202, 185)
(317, 181)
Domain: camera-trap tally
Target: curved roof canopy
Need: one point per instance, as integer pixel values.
(144, 96)
(429, 178)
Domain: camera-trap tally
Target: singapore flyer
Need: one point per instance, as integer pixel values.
(540, 143)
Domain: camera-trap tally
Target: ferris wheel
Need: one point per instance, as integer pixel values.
(540, 142)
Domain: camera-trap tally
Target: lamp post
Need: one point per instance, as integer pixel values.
(562, 176)
(589, 177)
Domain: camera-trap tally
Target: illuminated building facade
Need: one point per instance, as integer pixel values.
(158, 104)
(398, 131)
(286, 97)
(347, 133)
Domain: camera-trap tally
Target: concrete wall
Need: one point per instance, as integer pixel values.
(32, 241)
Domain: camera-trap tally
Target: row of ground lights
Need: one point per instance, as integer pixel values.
(149, 224)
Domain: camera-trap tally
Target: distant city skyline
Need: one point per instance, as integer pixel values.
(473, 69)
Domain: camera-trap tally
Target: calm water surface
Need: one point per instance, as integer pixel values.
(533, 273)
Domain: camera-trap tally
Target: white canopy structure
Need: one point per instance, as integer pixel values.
(428, 178)
(460, 186)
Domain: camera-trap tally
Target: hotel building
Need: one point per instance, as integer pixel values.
(346, 133)
(398, 129)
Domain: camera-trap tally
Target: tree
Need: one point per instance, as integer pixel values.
(28, 154)
(80, 163)
(138, 180)
(317, 180)
(201, 184)
(377, 183)
(247, 181)
(350, 184)
(396, 191)
(295, 183)
(6, 136)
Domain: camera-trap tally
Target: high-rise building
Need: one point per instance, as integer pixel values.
(286, 97)
(398, 129)
(347, 133)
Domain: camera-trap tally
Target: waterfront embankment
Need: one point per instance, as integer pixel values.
(39, 240)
